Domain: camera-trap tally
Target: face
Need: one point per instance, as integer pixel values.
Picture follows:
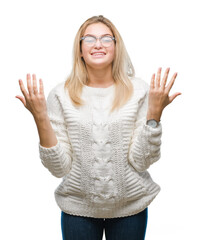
(88, 53)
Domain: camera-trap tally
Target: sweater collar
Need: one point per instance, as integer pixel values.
(100, 91)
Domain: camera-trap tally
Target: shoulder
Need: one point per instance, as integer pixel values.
(58, 90)
(139, 84)
(56, 97)
(59, 94)
(140, 88)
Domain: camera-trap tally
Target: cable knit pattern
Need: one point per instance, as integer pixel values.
(102, 157)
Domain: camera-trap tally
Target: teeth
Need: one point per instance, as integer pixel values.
(98, 54)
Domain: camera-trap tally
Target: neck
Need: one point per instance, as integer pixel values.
(100, 77)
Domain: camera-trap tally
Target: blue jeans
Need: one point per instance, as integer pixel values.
(87, 228)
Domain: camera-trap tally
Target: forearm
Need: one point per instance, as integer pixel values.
(145, 149)
(154, 114)
(45, 131)
(54, 147)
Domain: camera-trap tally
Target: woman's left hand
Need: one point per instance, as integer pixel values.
(159, 95)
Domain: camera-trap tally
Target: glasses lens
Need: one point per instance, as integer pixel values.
(89, 40)
(106, 41)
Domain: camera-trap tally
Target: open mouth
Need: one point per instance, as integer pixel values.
(98, 55)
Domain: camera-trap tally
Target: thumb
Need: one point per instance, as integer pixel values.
(171, 98)
(21, 99)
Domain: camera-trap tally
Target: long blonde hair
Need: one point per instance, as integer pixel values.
(122, 67)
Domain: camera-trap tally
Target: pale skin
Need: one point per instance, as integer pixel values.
(159, 94)
(99, 69)
(35, 102)
(100, 74)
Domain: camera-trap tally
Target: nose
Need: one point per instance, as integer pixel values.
(98, 43)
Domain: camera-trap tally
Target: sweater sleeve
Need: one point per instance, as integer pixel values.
(57, 159)
(145, 144)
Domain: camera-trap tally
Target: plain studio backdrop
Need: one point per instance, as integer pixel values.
(37, 37)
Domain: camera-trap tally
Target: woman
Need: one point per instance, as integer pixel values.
(100, 130)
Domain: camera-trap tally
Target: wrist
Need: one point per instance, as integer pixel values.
(41, 118)
(155, 116)
(152, 123)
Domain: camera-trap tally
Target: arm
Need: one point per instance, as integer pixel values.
(45, 131)
(54, 146)
(145, 144)
(58, 158)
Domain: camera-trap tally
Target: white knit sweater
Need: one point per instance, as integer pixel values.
(102, 158)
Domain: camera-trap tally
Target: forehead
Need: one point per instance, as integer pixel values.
(97, 29)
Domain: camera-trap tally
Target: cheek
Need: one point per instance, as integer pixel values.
(84, 52)
(112, 52)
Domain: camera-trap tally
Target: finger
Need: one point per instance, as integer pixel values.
(41, 86)
(29, 86)
(22, 99)
(152, 83)
(170, 84)
(164, 80)
(171, 98)
(23, 90)
(35, 89)
(158, 77)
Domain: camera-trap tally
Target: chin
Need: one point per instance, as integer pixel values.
(98, 64)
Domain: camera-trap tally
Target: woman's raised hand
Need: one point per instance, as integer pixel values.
(33, 100)
(159, 94)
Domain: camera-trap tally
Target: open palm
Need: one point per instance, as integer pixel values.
(159, 94)
(33, 100)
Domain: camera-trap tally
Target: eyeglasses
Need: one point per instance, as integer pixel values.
(90, 41)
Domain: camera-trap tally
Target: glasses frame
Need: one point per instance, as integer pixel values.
(113, 38)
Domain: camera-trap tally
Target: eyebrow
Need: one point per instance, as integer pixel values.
(106, 34)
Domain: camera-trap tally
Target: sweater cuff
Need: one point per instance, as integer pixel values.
(49, 152)
(153, 131)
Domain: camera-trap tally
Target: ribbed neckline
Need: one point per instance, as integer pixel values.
(100, 91)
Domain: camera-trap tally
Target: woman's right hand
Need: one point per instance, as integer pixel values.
(33, 100)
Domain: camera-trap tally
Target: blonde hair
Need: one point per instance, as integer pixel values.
(122, 67)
